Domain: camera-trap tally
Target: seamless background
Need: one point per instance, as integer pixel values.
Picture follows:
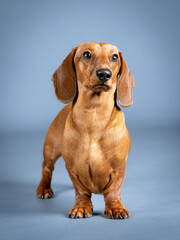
(35, 37)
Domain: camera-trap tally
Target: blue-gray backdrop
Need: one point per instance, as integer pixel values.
(37, 35)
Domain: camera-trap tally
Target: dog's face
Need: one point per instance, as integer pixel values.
(97, 67)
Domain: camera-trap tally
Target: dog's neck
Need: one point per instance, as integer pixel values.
(92, 111)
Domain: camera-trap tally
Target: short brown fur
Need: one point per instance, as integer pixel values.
(90, 132)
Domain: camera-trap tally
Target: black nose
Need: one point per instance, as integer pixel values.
(103, 74)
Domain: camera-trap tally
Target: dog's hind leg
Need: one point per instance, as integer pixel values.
(51, 154)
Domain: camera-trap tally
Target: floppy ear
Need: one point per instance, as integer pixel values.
(125, 84)
(64, 79)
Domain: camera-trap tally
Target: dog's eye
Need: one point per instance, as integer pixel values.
(114, 58)
(87, 55)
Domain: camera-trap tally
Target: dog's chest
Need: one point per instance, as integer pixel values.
(91, 165)
(93, 152)
(88, 160)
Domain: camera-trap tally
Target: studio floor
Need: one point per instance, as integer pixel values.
(151, 192)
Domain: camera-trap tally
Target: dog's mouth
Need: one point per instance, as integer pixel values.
(99, 87)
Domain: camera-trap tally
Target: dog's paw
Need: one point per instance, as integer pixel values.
(80, 212)
(117, 213)
(44, 193)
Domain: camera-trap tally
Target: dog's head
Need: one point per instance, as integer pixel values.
(97, 67)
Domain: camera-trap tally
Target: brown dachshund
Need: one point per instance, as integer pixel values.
(90, 132)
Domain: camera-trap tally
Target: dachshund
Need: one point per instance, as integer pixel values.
(90, 131)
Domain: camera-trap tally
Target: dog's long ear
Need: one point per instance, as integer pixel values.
(125, 84)
(64, 79)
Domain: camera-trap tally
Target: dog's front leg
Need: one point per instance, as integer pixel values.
(114, 207)
(83, 207)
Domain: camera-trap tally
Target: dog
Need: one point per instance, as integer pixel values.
(90, 131)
